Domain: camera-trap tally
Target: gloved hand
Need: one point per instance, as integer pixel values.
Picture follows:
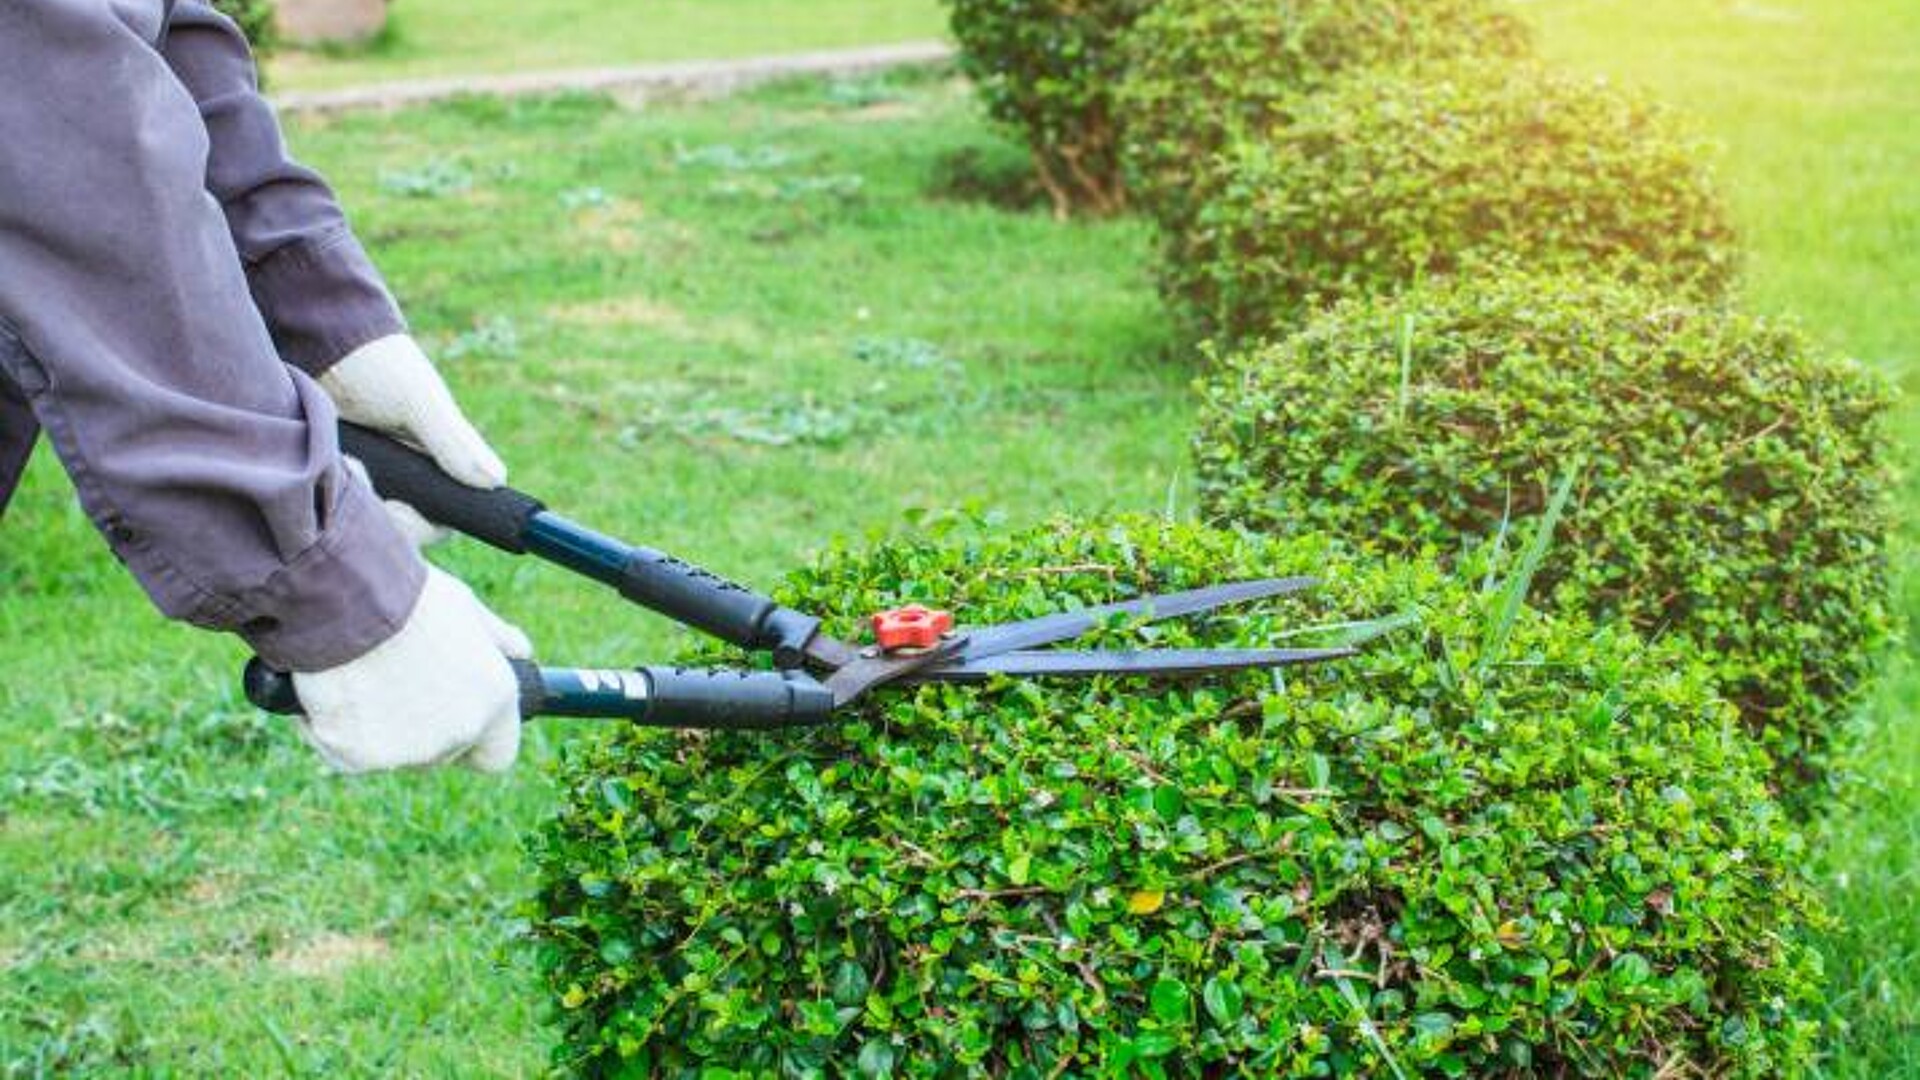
(389, 385)
(439, 692)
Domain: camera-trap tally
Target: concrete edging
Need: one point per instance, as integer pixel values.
(638, 84)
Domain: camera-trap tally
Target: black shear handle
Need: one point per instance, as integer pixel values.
(519, 523)
(667, 697)
(500, 517)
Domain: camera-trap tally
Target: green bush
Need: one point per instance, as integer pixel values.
(1484, 846)
(1733, 479)
(1386, 179)
(1047, 67)
(255, 18)
(1200, 75)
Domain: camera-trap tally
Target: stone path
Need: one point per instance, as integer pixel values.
(638, 84)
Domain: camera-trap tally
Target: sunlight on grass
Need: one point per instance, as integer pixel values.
(428, 38)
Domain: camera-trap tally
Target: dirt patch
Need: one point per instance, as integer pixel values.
(623, 311)
(644, 312)
(880, 112)
(330, 954)
(211, 888)
(623, 228)
(883, 111)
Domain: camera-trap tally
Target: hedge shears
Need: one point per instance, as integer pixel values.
(814, 675)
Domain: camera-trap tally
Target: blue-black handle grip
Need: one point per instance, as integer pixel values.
(518, 523)
(668, 697)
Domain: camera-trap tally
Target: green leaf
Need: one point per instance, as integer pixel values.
(1019, 867)
(876, 1059)
(1319, 771)
(1171, 1002)
(1168, 802)
(1433, 1025)
(1155, 1044)
(1223, 998)
(850, 983)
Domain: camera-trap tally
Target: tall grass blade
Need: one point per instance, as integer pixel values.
(1499, 543)
(1513, 594)
(1406, 365)
(1348, 634)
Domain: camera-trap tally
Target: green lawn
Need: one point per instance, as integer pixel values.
(735, 331)
(484, 37)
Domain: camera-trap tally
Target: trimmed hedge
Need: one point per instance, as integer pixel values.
(1389, 178)
(1047, 67)
(1733, 486)
(1201, 75)
(1491, 844)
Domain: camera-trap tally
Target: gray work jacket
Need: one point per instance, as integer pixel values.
(169, 281)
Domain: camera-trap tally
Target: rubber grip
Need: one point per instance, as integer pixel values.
(735, 700)
(273, 691)
(498, 517)
(710, 603)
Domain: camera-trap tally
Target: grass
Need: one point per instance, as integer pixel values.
(427, 38)
(736, 331)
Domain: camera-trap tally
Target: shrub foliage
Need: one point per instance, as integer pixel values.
(1201, 75)
(1491, 843)
(1389, 178)
(1047, 67)
(1733, 479)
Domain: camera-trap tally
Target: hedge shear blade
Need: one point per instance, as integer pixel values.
(1008, 649)
(1159, 663)
(815, 674)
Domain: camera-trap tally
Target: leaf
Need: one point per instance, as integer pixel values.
(1319, 770)
(1020, 867)
(1168, 802)
(1223, 998)
(1146, 901)
(614, 791)
(875, 1060)
(1433, 1025)
(1171, 1001)
(850, 983)
(1155, 1044)
(1632, 969)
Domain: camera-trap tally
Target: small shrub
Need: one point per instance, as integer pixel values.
(1203, 74)
(1047, 67)
(1733, 491)
(1389, 178)
(1470, 850)
(255, 19)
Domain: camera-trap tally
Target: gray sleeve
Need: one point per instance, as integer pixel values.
(310, 277)
(125, 322)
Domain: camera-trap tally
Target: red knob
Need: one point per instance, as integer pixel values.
(913, 627)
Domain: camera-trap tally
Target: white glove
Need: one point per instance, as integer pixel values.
(389, 385)
(440, 691)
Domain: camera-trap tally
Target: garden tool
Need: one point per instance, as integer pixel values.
(814, 675)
